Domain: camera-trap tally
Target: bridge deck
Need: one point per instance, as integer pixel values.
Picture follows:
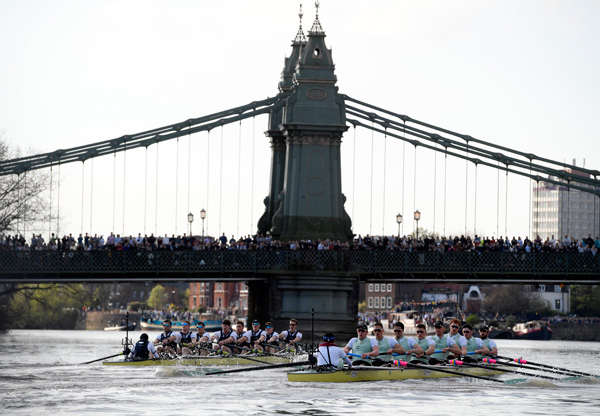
(98, 266)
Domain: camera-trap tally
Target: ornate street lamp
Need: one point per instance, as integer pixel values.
(203, 216)
(399, 221)
(417, 218)
(190, 220)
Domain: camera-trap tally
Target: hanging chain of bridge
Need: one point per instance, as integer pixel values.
(474, 150)
(144, 139)
(358, 113)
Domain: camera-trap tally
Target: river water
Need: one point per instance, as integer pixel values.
(41, 371)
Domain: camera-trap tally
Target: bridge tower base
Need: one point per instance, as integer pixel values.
(334, 299)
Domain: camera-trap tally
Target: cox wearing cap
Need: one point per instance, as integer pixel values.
(331, 355)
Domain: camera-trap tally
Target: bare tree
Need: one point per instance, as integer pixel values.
(24, 197)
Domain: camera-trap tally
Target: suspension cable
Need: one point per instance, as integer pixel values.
(114, 189)
(145, 188)
(25, 198)
(530, 186)
(506, 206)
(466, 186)
(91, 195)
(124, 183)
(354, 171)
(415, 191)
(207, 177)
(50, 216)
(371, 199)
(82, 192)
(189, 172)
(252, 176)
(498, 200)
(384, 171)
(445, 182)
(176, 183)
(475, 205)
(237, 229)
(221, 185)
(403, 166)
(434, 184)
(156, 196)
(58, 205)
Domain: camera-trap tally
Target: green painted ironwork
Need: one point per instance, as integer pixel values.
(389, 265)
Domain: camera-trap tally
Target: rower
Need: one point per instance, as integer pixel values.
(241, 338)
(269, 336)
(202, 339)
(426, 344)
(362, 345)
(292, 336)
(254, 334)
(185, 338)
(409, 345)
(165, 342)
(224, 336)
(489, 343)
(385, 344)
(475, 346)
(443, 343)
(143, 349)
(330, 355)
(459, 339)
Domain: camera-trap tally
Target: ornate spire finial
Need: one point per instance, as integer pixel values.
(300, 38)
(316, 27)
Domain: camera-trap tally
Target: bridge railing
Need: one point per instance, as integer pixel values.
(256, 262)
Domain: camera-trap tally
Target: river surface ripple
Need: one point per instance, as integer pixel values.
(41, 371)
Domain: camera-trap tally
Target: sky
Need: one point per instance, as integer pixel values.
(523, 74)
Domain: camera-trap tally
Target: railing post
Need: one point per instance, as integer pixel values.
(533, 263)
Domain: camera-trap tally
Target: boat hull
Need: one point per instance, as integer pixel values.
(384, 373)
(121, 327)
(542, 334)
(210, 361)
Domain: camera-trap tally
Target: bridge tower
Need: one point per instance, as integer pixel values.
(305, 200)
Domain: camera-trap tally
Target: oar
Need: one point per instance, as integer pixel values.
(288, 349)
(465, 364)
(227, 354)
(440, 370)
(242, 370)
(565, 373)
(521, 361)
(105, 358)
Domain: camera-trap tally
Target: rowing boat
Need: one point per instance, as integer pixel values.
(250, 359)
(384, 373)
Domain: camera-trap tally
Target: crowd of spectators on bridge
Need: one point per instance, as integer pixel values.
(577, 320)
(87, 242)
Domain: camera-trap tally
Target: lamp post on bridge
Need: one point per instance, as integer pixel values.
(399, 221)
(190, 220)
(203, 217)
(417, 218)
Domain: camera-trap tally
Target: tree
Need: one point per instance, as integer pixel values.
(514, 300)
(157, 297)
(45, 306)
(23, 197)
(585, 301)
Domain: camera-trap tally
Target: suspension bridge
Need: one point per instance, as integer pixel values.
(307, 120)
